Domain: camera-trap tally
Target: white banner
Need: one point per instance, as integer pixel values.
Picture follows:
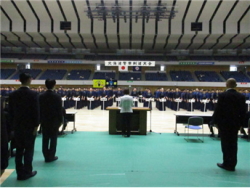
(130, 63)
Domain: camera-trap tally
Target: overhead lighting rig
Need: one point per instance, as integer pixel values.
(114, 12)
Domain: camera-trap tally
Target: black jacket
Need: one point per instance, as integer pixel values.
(50, 108)
(230, 111)
(24, 110)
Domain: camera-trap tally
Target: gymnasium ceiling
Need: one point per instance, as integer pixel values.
(36, 23)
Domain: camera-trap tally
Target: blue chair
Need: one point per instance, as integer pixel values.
(195, 123)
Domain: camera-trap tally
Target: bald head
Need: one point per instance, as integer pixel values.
(231, 83)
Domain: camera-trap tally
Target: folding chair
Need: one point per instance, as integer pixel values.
(195, 123)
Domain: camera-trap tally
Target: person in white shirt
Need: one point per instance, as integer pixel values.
(126, 111)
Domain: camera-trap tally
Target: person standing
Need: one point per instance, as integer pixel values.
(4, 138)
(24, 118)
(126, 111)
(51, 119)
(229, 115)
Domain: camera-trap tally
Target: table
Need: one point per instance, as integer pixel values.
(70, 116)
(138, 121)
(182, 117)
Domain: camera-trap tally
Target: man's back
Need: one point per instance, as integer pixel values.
(230, 109)
(50, 106)
(24, 108)
(126, 104)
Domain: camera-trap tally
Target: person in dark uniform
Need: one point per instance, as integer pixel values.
(190, 96)
(91, 94)
(134, 94)
(77, 94)
(24, 118)
(103, 94)
(147, 95)
(176, 96)
(203, 97)
(51, 119)
(118, 93)
(161, 105)
(229, 115)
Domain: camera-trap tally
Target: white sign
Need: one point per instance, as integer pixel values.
(130, 63)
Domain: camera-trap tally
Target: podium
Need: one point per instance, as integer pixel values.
(90, 99)
(248, 104)
(138, 120)
(104, 99)
(162, 102)
(76, 99)
(63, 100)
(205, 101)
(178, 100)
(191, 101)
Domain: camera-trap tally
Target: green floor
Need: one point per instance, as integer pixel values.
(97, 159)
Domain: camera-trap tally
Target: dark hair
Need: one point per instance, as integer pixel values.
(126, 91)
(24, 77)
(50, 83)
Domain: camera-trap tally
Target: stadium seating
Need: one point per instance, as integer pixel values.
(226, 58)
(5, 73)
(156, 76)
(61, 56)
(181, 76)
(130, 76)
(201, 58)
(53, 74)
(33, 72)
(207, 76)
(12, 55)
(104, 75)
(34, 56)
(238, 76)
(79, 74)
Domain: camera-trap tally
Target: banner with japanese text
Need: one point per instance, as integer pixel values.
(130, 63)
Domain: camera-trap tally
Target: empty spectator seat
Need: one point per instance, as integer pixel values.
(53, 74)
(33, 72)
(5, 73)
(104, 75)
(238, 76)
(181, 76)
(207, 76)
(156, 76)
(130, 76)
(79, 74)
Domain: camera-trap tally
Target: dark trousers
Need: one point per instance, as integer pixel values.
(229, 147)
(49, 142)
(126, 119)
(24, 153)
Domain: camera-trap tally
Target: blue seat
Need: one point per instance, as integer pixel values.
(5, 73)
(194, 123)
(33, 72)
